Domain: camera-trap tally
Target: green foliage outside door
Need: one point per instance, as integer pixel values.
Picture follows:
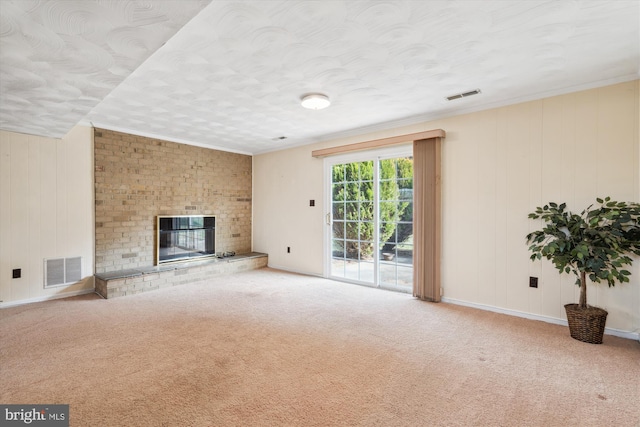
(354, 207)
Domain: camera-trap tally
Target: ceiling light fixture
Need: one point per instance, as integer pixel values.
(315, 101)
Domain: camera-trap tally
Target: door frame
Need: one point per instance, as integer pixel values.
(403, 150)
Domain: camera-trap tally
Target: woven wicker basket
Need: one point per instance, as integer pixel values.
(586, 325)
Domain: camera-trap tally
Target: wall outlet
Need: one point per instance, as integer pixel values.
(312, 202)
(288, 249)
(17, 273)
(533, 282)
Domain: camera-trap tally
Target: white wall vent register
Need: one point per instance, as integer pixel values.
(62, 271)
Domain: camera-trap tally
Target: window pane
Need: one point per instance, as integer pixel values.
(338, 211)
(366, 271)
(403, 232)
(351, 228)
(337, 173)
(404, 254)
(388, 273)
(352, 270)
(351, 210)
(351, 172)
(366, 211)
(366, 231)
(352, 192)
(366, 190)
(337, 267)
(405, 276)
(366, 171)
(338, 192)
(387, 169)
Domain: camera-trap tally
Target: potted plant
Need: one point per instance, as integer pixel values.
(597, 243)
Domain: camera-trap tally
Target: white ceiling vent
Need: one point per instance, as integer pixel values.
(62, 271)
(463, 94)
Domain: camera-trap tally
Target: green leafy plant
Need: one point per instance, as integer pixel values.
(595, 243)
(353, 209)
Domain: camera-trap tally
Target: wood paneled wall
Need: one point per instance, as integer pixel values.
(46, 211)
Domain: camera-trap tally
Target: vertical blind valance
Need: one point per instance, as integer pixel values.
(378, 143)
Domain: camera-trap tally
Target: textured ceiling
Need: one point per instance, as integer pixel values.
(59, 59)
(232, 77)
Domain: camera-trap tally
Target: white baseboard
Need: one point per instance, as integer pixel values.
(45, 298)
(608, 331)
(290, 270)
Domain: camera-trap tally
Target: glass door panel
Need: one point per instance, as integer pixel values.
(352, 239)
(372, 222)
(396, 223)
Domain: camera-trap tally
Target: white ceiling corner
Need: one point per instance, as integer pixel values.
(230, 74)
(59, 59)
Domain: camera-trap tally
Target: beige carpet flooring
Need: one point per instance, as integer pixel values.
(269, 348)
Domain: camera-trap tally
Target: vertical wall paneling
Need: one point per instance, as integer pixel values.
(467, 200)
(556, 287)
(489, 158)
(518, 126)
(49, 212)
(586, 147)
(616, 141)
(535, 296)
(78, 222)
(448, 228)
(501, 230)
(5, 214)
(283, 205)
(615, 110)
(34, 272)
(635, 273)
(62, 190)
(19, 202)
(450, 188)
(45, 204)
(584, 153)
(462, 201)
(568, 175)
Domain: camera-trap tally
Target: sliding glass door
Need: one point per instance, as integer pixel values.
(353, 226)
(370, 226)
(396, 223)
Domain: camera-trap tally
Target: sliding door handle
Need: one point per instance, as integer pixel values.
(328, 218)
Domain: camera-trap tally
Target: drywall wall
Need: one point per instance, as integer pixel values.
(497, 166)
(46, 211)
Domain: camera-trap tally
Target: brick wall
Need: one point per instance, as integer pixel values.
(138, 178)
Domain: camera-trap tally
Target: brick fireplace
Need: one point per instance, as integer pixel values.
(138, 179)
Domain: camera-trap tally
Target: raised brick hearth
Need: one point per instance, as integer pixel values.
(138, 280)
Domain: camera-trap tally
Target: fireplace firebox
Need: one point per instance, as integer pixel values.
(185, 238)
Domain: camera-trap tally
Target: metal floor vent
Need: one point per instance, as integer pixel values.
(61, 271)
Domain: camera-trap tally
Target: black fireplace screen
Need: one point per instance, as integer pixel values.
(186, 237)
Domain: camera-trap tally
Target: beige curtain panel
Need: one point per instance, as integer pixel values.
(426, 219)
